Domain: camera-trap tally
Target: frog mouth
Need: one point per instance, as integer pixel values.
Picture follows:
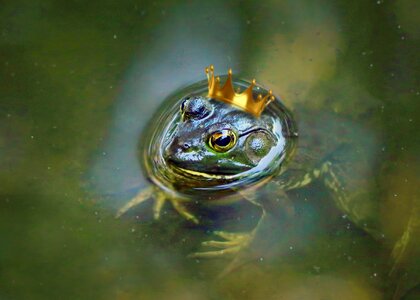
(206, 175)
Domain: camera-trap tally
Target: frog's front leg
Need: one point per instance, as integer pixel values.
(275, 210)
(232, 242)
(159, 198)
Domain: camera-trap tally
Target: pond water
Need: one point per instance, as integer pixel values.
(80, 84)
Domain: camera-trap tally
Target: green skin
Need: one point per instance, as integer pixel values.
(189, 147)
(330, 150)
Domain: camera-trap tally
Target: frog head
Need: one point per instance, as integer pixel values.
(213, 139)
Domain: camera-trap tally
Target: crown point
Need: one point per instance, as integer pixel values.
(269, 100)
(244, 100)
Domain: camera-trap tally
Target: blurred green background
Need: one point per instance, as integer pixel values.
(80, 80)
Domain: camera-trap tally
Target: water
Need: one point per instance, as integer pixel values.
(80, 84)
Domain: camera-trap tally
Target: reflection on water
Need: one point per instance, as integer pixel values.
(80, 83)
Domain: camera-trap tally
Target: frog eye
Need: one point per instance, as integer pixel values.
(194, 108)
(222, 140)
(183, 104)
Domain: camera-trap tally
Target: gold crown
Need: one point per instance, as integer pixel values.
(244, 100)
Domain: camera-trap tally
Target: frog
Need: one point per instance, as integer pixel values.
(207, 150)
(202, 149)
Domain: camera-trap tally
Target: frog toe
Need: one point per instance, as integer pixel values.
(160, 200)
(234, 236)
(182, 210)
(220, 244)
(141, 197)
(233, 244)
(216, 253)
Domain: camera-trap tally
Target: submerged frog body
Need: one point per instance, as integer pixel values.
(203, 150)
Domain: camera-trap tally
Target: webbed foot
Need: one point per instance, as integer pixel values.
(233, 243)
(159, 198)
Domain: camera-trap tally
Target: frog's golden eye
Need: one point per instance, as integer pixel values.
(222, 140)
